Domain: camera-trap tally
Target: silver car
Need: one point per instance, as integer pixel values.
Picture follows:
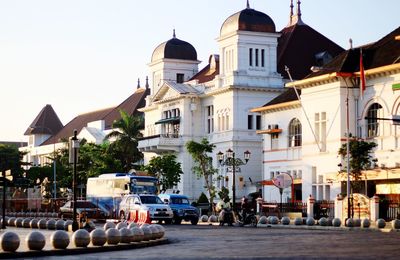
(132, 203)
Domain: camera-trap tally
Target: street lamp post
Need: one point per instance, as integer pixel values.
(74, 150)
(3, 169)
(232, 161)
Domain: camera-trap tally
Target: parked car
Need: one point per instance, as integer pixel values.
(84, 208)
(181, 207)
(135, 202)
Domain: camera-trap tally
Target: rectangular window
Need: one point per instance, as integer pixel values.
(314, 174)
(250, 122)
(327, 195)
(258, 122)
(179, 77)
(227, 122)
(320, 130)
(210, 119)
(262, 58)
(274, 141)
(251, 57)
(256, 57)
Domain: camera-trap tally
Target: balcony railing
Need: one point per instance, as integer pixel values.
(161, 142)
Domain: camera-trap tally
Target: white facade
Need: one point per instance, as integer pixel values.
(218, 110)
(323, 121)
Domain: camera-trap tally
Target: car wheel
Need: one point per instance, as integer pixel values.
(195, 221)
(122, 216)
(168, 221)
(177, 220)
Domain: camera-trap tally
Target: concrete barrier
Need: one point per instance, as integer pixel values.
(9, 241)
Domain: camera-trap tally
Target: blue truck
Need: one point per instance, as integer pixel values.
(181, 207)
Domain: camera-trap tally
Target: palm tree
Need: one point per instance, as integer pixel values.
(126, 135)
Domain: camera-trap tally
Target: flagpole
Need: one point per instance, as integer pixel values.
(348, 150)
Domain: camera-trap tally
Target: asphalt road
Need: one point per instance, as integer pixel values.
(214, 242)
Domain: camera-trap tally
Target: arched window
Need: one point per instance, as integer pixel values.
(294, 133)
(374, 111)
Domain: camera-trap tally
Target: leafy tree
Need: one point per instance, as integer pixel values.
(223, 193)
(360, 158)
(166, 169)
(203, 164)
(93, 160)
(11, 159)
(126, 139)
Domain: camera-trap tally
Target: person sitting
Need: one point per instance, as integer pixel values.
(221, 205)
(245, 208)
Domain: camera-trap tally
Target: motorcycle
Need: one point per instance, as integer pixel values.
(227, 217)
(249, 219)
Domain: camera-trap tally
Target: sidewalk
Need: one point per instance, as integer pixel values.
(48, 250)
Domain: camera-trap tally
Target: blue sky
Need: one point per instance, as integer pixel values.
(84, 55)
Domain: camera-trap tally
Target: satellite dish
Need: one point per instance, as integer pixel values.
(282, 181)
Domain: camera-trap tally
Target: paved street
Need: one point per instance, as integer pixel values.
(214, 242)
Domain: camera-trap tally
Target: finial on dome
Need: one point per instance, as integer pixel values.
(351, 43)
(291, 8)
(298, 9)
(138, 83)
(295, 18)
(248, 5)
(173, 34)
(291, 12)
(147, 82)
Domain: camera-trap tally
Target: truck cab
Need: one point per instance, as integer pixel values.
(181, 207)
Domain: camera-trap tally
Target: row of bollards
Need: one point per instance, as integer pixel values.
(110, 234)
(51, 224)
(335, 222)
(32, 214)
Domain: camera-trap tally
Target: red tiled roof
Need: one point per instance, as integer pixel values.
(109, 115)
(208, 73)
(46, 122)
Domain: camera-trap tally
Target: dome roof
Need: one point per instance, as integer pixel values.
(248, 20)
(174, 49)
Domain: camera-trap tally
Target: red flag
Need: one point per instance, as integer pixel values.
(362, 75)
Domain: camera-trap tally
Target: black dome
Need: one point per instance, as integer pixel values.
(174, 49)
(248, 20)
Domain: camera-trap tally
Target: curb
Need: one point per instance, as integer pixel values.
(329, 228)
(316, 227)
(85, 250)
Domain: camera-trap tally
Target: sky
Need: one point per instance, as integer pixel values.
(84, 55)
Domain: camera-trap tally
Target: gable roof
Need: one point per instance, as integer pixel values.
(297, 48)
(385, 51)
(181, 89)
(109, 115)
(287, 96)
(46, 122)
(209, 72)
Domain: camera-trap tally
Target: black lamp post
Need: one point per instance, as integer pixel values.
(74, 150)
(232, 161)
(4, 164)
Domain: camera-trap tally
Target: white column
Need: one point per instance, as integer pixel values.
(339, 208)
(310, 207)
(374, 206)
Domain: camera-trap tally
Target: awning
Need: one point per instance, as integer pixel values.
(169, 120)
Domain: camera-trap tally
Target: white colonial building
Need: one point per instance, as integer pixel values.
(217, 101)
(303, 135)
